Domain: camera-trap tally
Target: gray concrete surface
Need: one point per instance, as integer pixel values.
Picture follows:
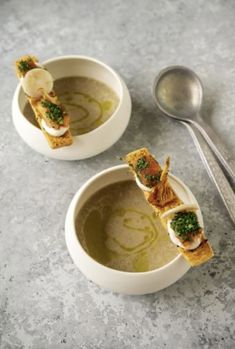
(45, 302)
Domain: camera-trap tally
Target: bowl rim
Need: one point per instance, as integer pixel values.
(73, 206)
(88, 58)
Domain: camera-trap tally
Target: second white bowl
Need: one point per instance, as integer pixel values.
(134, 283)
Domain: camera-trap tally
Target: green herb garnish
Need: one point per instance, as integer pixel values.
(185, 224)
(153, 179)
(24, 66)
(141, 164)
(54, 112)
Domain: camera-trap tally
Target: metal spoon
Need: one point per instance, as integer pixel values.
(209, 160)
(214, 171)
(178, 93)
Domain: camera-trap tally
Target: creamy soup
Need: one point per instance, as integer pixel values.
(89, 103)
(118, 228)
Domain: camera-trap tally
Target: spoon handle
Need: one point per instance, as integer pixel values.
(216, 145)
(214, 171)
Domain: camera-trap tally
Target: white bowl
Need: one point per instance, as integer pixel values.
(120, 281)
(88, 144)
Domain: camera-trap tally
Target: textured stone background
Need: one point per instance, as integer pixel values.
(45, 301)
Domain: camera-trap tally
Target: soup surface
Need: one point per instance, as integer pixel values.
(118, 228)
(89, 103)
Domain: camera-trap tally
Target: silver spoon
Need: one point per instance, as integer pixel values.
(209, 160)
(214, 171)
(178, 93)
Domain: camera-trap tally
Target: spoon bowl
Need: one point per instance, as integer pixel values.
(178, 92)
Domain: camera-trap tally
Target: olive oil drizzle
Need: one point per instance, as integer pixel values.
(90, 99)
(150, 232)
(123, 234)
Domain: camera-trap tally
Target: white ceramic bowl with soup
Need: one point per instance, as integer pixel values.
(115, 238)
(96, 98)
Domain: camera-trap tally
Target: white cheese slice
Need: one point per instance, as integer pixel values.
(54, 132)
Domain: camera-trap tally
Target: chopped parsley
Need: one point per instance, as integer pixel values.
(185, 224)
(153, 179)
(54, 112)
(141, 164)
(25, 65)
